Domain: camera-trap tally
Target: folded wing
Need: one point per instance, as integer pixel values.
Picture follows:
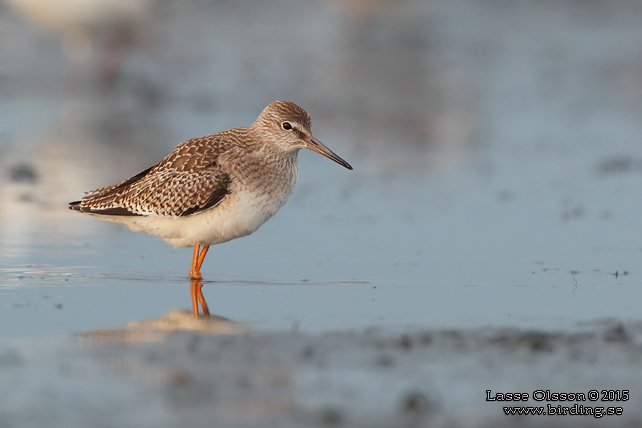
(187, 181)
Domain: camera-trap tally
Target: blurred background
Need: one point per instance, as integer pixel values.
(495, 144)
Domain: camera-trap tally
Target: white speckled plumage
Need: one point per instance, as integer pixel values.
(216, 188)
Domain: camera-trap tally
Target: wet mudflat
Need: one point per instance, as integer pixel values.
(360, 378)
(488, 238)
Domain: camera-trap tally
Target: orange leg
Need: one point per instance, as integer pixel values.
(194, 272)
(201, 257)
(195, 279)
(197, 261)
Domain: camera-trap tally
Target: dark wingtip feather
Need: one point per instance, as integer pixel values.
(76, 206)
(114, 211)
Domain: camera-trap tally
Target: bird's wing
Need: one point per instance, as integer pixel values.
(189, 180)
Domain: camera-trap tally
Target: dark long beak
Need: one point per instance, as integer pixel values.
(319, 147)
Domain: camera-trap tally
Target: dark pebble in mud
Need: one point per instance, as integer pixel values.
(23, 173)
(533, 340)
(624, 164)
(385, 360)
(426, 339)
(331, 416)
(405, 342)
(617, 333)
(538, 342)
(308, 352)
(415, 402)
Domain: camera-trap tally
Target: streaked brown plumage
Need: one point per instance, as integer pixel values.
(216, 188)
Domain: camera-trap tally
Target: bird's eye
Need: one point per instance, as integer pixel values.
(286, 125)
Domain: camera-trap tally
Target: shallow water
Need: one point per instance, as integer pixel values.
(496, 178)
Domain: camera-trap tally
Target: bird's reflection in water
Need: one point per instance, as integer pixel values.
(159, 329)
(196, 290)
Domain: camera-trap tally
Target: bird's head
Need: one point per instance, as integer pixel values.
(289, 125)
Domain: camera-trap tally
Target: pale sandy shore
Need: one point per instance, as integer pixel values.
(175, 371)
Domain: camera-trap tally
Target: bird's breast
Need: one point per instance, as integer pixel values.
(252, 201)
(269, 188)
